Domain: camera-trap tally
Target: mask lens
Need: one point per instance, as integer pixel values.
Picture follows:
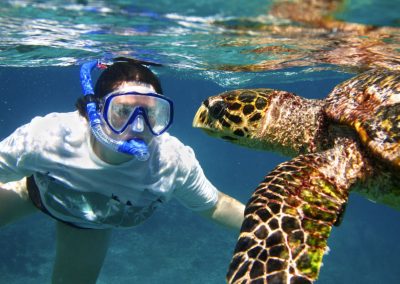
(120, 109)
(159, 116)
(118, 115)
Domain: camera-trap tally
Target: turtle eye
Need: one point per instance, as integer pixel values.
(217, 109)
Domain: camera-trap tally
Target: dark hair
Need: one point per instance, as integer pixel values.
(122, 70)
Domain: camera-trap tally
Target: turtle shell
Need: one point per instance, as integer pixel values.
(370, 103)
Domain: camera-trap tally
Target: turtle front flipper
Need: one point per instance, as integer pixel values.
(290, 215)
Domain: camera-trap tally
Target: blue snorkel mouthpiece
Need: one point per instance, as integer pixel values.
(135, 147)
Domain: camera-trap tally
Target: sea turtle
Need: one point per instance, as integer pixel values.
(348, 142)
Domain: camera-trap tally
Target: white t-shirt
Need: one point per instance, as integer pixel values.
(77, 187)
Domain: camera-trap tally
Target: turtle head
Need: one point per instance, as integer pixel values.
(263, 119)
(237, 116)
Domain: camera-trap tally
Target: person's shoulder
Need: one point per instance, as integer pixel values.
(171, 148)
(56, 120)
(168, 140)
(57, 129)
(54, 132)
(170, 143)
(62, 118)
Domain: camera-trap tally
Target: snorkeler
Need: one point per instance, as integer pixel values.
(110, 164)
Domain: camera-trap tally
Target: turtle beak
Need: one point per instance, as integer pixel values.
(200, 118)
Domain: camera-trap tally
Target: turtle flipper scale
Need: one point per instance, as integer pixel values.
(290, 215)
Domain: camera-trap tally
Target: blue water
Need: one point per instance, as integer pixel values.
(41, 47)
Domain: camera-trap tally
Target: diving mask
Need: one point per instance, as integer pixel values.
(136, 109)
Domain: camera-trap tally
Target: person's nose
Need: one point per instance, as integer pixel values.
(138, 124)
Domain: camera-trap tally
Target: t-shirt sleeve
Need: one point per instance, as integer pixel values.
(13, 155)
(196, 192)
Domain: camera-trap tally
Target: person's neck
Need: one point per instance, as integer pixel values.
(107, 155)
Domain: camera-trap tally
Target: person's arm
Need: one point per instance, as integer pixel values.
(197, 193)
(14, 197)
(228, 212)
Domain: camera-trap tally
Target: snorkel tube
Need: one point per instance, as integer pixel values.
(135, 147)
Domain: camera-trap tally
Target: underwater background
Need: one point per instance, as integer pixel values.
(206, 47)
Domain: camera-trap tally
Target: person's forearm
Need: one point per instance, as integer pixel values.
(228, 212)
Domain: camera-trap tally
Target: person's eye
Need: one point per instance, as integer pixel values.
(122, 111)
(151, 112)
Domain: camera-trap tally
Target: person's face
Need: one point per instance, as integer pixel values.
(138, 128)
